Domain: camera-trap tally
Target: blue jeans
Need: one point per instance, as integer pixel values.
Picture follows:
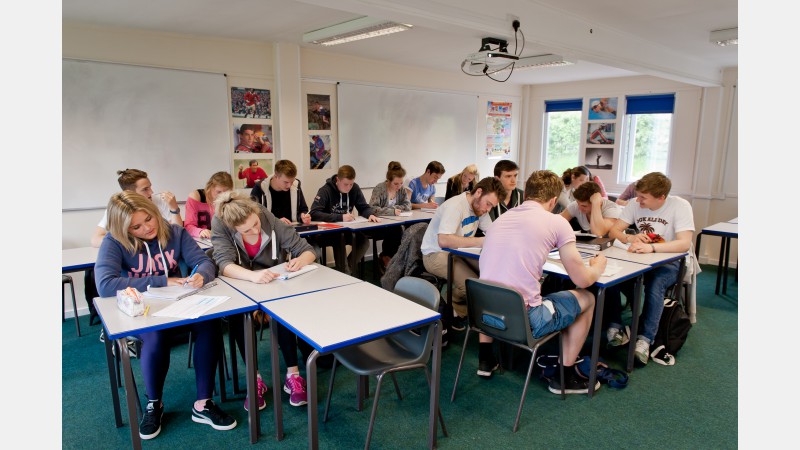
(565, 310)
(656, 282)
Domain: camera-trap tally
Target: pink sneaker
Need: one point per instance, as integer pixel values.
(295, 386)
(262, 389)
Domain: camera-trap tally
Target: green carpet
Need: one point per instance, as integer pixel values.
(690, 405)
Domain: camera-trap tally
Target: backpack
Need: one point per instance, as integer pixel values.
(673, 329)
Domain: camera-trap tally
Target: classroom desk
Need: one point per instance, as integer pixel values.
(628, 270)
(203, 243)
(727, 231)
(78, 259)
(415, 217)
(354, 314)
(119, 326)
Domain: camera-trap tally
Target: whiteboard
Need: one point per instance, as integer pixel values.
(173, 124)
(381, 124)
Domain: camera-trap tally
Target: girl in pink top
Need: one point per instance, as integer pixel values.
(200, 205)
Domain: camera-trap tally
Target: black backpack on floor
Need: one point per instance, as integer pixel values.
(673, 329)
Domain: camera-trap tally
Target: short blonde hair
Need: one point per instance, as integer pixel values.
(121, 207)
(233, 208)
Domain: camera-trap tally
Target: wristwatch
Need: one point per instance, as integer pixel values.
(177, 211)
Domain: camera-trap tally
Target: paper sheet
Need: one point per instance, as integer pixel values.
(358, 219)
(192, 306)
(285, 274)
(405, 214)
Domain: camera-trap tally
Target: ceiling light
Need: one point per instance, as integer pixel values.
(728, 36)
(548, 60)
(354, 30)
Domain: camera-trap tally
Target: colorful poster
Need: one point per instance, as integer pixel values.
(498, 130)
(319, 112)
(250, 102)
(600, 133)
(319, 146)
(252, 138)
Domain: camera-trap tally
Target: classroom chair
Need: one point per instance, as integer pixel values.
(66, 279)
(499, 312)
(405, 350)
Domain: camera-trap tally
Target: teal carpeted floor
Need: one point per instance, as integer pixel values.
(690, 405)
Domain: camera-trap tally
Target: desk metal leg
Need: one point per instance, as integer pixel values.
(130, 393)
(112, 380)
(697, 246)
(276, 379)
(598, 321)
(719, 264)
(727, 261)
(636, 303)
(250, 377)
(436, 368)
(313, 429)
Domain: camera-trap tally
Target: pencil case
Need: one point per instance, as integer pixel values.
(130, 301)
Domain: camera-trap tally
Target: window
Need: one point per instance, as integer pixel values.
(563, 125)
(646, 137)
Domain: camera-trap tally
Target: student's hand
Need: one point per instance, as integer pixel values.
(348, 218)
(598, 261)
(306, 218)
(596, 199)
(397, 211)
(372, 218)
(169, 198)
(293, 265)
(621, 202)
(205, 234)
(286, 221)
(195, 281)
(262, 276)
(432, 205)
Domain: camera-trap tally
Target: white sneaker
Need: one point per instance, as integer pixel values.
(617, 337)
(642, 351)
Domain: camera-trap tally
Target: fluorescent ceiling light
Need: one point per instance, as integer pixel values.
(540, 61)
(354, 30)
(728, 36)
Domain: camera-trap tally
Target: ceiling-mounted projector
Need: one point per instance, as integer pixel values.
(492, 57)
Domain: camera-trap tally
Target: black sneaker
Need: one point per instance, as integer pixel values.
(485, 368)
(150, 425)
(574, 385)
(212, 415)
(459, 323)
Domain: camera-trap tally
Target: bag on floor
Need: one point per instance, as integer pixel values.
(673, 329)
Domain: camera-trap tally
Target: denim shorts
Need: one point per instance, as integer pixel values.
(565, 309)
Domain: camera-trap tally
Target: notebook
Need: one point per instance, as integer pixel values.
(284, 274)
(174, 292)
(595, 244)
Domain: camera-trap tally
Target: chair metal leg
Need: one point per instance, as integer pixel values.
(396, 387)
(439, 410)
(460, 362)
(330, 391)
(374, 411)
(525, 388)
(191, 342)
(74, 308)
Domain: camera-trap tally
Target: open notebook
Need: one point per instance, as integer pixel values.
(284, 274)
(174, 292)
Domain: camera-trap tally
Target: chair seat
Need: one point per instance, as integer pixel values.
(379, 356)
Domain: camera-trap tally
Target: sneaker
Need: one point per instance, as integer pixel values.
(212, 415)
(295, 386)
(642, 351)
(573, 385)
(261, 389)
(617, 337)
(485, 368)
(150, 425)
(445, 338)
(459, 323)
(102, 335)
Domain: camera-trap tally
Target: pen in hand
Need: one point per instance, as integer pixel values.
(191, 275)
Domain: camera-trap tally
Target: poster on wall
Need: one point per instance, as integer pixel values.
(498, 130)
(250, 171)
(599, 158)
(252, 138)
(250, 102)
(319, 111)
(603, 108)
(319, 146)
(600, 133)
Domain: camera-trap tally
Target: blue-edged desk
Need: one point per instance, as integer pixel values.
(119, 326)
(727, 231)
(627, 271)
(78, 259)
(348, 315)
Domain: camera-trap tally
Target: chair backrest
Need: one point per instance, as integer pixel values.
(424, 294)
(498, 311)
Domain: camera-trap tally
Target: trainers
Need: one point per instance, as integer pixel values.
(212, 415)
(261, 389)
(617, 337)
(485, 368)
(102, 335)
(150, 425)
(573, 385)
(459, 323)
(295, 386)
(642, 351)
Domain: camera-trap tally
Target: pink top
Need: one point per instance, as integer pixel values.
(198, 217)
(516, 247)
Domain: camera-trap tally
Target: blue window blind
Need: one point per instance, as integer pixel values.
(573, 104)
(650, 104)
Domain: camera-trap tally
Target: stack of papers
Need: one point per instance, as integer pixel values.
(174, 292)
(284, 274)
(405, 214)
(192, 307)
(358, 219)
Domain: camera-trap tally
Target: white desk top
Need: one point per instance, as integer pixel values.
(416, 216)
(627, 271)
(204, 244)
(118, 324)
(75, 259)
(316, 280)
(723, 229)
(650, 259)
(347, 315)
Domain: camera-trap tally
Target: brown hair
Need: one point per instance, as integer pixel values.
(222, 179)
(121, 207)
(543, 185)
(286, 168)
(585, 191)
(654, 183)
(346, 172)
(233, 208)
(504, 165)
(435, 167)
(395, 170)
(128, 178)
(490, 185)
(566, 177)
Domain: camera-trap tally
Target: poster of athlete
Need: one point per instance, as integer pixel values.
(251, 102)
